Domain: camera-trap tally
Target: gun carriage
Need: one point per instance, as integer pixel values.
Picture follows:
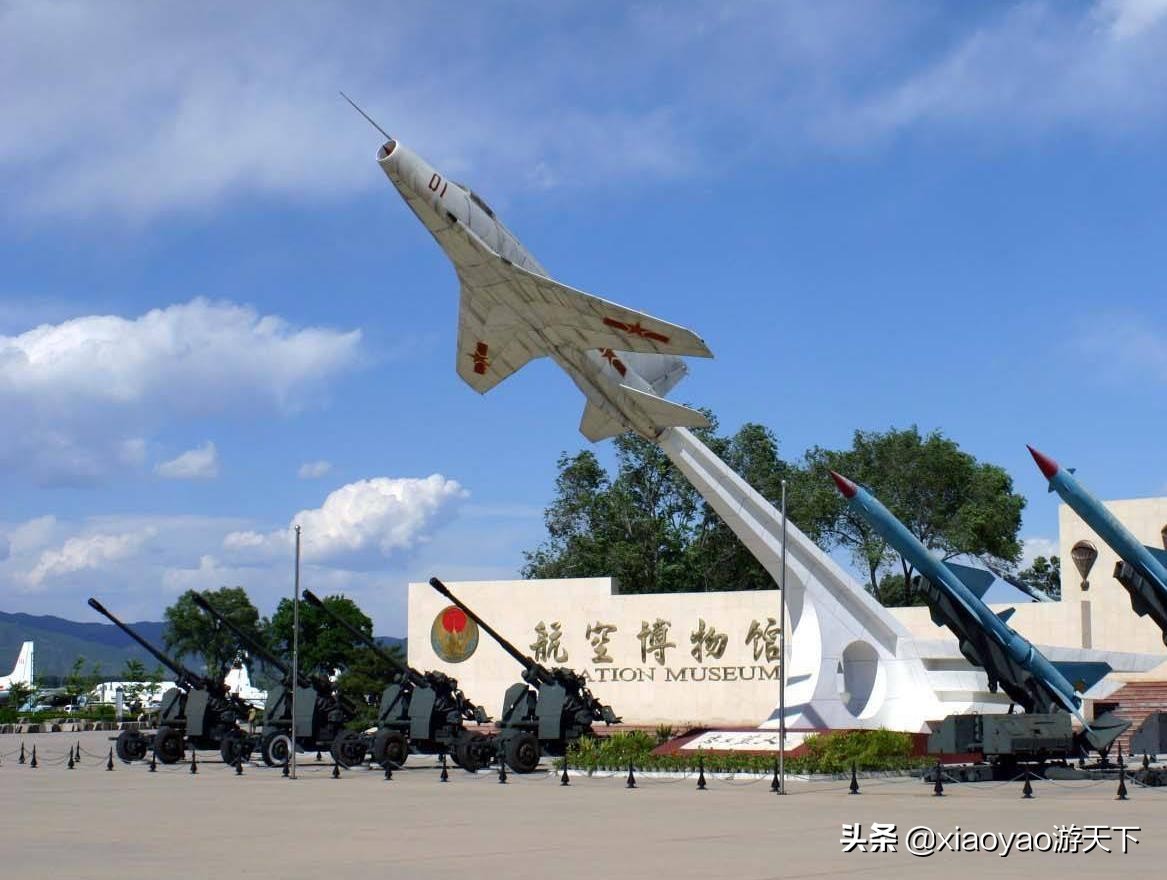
(546, 711)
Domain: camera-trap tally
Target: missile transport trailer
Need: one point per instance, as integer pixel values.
(321, 713)
(546, 711)
(200, 710)
(1013, 743)
(422, 711)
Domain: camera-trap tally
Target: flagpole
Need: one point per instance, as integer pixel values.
(295, 650)
(782, 658)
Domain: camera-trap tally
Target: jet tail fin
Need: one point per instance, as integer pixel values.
(1082, 674)
(664, 413)
(597, 425)
(22, 672)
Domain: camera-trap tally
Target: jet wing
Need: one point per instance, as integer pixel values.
(509, 315)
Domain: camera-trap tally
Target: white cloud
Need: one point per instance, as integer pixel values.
(314, 470)
(200, 463)
(139, 109)
(1124, 347)
(86, 390)
(362, 523)
(86, 552)
(1031, 548)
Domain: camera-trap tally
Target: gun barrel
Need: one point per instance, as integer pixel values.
(408, 671)
(185, 676)
(258, 649)
(523, 660)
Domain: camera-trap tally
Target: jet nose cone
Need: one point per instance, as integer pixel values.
(1048, 466)
(845, 486)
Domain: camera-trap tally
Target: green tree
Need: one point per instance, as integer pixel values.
(324, 646)
(646, 525)
(20, 693)
(954, 504)
(134, 674)
(78, 682)
(1045, 574)
(191, 632)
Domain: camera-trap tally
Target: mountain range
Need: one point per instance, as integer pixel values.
(60, 642)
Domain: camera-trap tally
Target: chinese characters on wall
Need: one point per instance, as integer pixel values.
(707, 640)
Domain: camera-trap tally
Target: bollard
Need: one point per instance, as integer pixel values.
(700, 772)
(631, 783)
(775, 785)
(22, 758)
(388, 771)
(77, 758)
(1121, 795)
(445, 775)
(285, 771)
(854, 787)
(1146, 761)
(1027, 789)
(318, 754)
(563, 780)
(109, 761)
(71, 764)
(938, 788)
(335, 769)
(194, 763)
(32, 762)
(153, 761)
(238, 765)
(502, 766)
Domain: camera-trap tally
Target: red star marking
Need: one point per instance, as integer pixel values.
(479, 356)
(636, 330)
(617, 364)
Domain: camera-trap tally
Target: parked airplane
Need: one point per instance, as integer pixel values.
(21, 673)
(511, 312)
(238, 682)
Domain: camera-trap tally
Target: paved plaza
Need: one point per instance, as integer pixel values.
(130, 823)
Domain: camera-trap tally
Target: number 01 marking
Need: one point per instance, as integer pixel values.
(437, 181)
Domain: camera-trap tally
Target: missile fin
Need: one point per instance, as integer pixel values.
(976, 579)
(1004, 616)
(1082, 674)
(1158, 553)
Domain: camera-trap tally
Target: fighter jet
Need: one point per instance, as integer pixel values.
(512, 312)
(1141, 570)
(954, 597)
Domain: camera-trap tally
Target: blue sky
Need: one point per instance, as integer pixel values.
(217, 317)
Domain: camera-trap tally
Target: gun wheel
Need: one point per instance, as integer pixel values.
(235, 747)
(131, 746)
(523, 753)
(276, 749)
(168, 745)
(348, 749)
(472, 752)
(390, 748)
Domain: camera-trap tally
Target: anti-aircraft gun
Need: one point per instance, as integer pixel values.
(425, 710)
(200, 710)
(321, 712)
(546, 711)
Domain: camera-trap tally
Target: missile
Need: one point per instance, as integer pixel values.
(1142, 570)
(954, 594)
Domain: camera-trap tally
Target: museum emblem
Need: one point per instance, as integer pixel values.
(454, 636)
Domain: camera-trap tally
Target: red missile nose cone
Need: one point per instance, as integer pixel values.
(1048, 466)
(845, 485)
